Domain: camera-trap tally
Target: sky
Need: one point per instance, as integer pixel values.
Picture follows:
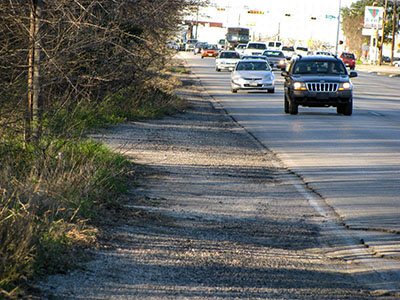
(309, 19)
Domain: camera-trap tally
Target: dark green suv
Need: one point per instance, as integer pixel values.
(318, 81)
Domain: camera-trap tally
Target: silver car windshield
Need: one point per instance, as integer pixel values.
(253, 66)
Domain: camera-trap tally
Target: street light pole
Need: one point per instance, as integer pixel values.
(383, 33)
(338, 27)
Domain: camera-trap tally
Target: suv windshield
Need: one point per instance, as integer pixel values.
(319, 67)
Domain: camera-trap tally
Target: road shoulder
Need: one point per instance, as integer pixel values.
(214, 216)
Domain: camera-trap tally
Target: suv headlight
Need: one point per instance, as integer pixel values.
(345, 86)
(299, 86)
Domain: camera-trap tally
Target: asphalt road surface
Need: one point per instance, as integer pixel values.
(352, 162)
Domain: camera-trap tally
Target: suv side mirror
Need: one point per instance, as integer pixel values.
(353, 74)
(285, 73)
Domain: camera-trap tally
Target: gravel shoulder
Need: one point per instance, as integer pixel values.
(213, 216)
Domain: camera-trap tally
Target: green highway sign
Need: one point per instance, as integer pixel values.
(330, 17)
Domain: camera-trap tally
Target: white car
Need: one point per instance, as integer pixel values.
(288, 51)
(252, 75)
(189, 46)
(240, 48)
(322, 53)
(253, 48)
(274, 45)
(226, 60)
(303, 51)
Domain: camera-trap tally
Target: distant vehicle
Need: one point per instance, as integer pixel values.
(172, 45)
(255, 48)
(226, 60)
(240, 48)
(318, 81)
(302, 50)
(349, 60)
(274, 45)
(396, 63)
(221, 44)
(252, 75)
(198, 46)
(322, 53)
(288, 51)
(261, 57)
(209, 51)
(190, 44)
(236, 36)
(276, 59)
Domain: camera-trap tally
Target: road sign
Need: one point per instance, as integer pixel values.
(370, 32)
(330, 17)
(373, 17)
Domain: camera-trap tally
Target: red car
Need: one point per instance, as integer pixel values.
(209, 51)
(349, 60)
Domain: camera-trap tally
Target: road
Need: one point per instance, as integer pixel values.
(352, 162)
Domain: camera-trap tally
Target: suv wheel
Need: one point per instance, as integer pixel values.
(340, 109)
(286, 104)
(348, 108)
(293, 107)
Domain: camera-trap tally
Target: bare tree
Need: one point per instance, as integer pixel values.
(70, 52)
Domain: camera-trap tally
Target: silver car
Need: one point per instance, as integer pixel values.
(226, 60)
(252, 75)
(276, 59)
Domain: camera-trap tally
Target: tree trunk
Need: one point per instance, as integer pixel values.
(34, 106)
(28, 113)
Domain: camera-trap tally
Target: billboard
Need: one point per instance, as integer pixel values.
(373, 16)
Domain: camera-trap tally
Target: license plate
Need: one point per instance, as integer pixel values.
(210, 54)
(322, 96)
(253, 84)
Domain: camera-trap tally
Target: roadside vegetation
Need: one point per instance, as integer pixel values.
(353, 23)
(68, 68)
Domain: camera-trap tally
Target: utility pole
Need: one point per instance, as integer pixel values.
(383, 32)
(338, 27)
(394, 29)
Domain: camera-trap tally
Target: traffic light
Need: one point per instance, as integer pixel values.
(340, 42)
(257, 12)
(287, 15)
(313, 18)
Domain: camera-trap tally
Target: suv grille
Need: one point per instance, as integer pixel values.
(322, 87)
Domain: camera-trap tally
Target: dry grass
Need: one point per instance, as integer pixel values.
(53, 193)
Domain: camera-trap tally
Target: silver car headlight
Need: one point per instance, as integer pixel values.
(269, 77)
(237, 79)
